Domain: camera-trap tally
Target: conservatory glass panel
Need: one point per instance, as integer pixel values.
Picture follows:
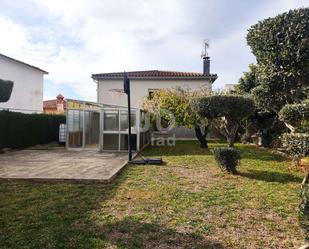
(92, 129)
(124, 121)
(124, 141)
(110, 141)
(111, 121)
(75, 128)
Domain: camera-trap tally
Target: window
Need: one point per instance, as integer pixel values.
(111, 121)
(151, 93)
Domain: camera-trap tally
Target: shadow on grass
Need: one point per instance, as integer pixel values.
(182, 148)
(270, 176)
(255, 153)
(130, 233)
(59, 215)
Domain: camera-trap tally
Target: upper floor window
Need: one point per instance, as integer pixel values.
(151, 93)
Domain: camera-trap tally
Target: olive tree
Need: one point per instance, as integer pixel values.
(178, 101)
(225, 112)
(296, 116)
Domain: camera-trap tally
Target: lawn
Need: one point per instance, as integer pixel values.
(186, 203)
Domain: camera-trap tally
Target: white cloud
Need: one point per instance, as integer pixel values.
(84, 37)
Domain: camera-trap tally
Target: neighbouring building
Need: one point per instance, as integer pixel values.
(27, 93)
(55, 106)
(229, 88)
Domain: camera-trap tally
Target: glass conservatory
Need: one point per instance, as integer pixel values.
(104, 127)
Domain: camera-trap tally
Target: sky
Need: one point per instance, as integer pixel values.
(72, 39)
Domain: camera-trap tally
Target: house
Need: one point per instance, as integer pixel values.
(27, 93)
(229, 88)
(55, 106)
(104, 125)
(143, 83)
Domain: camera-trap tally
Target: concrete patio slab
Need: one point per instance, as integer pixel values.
(61, 165)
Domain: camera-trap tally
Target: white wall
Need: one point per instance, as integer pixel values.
(139, 89)
(27, 94)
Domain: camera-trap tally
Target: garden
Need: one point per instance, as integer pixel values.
(248, 188)
(187, 203)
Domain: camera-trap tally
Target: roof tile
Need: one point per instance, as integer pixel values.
(153, 74)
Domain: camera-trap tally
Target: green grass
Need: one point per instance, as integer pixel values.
(186, 203)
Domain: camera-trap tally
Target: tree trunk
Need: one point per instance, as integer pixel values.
(230, 141)
(201, 137)
(304, 247)
(306, 178)
(231, 134)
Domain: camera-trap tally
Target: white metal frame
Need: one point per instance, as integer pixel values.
(101, 110)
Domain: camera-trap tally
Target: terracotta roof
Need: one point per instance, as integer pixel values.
(23, 63)
(154, 74)
(52, 104)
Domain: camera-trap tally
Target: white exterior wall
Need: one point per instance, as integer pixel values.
(139, 89)
(27, 94)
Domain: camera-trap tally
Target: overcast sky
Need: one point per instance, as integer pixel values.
(71, 39)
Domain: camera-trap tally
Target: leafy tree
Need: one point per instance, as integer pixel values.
(248, 81)
(281, 47)
(6, 87)
(225, 112)
(179, 102)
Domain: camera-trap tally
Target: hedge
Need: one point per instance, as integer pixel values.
(296, 144)
(19, 130)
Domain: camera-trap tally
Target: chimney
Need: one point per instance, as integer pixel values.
(206, 64)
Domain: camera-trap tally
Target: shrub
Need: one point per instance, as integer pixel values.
(295, 115)
(304, 210)
(20, 130)
(227, 158)
(296, 143)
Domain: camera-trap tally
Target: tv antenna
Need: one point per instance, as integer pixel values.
(206, 46)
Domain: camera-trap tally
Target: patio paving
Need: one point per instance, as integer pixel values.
(61, 165)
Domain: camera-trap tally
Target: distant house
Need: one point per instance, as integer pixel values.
(55, 106)
(229, 88)
(144, 83)
(27, 93)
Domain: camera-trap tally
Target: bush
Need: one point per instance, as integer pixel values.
(227, 158)
(295, 115)
(304, 210)
(19, 130)
(296, 143)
